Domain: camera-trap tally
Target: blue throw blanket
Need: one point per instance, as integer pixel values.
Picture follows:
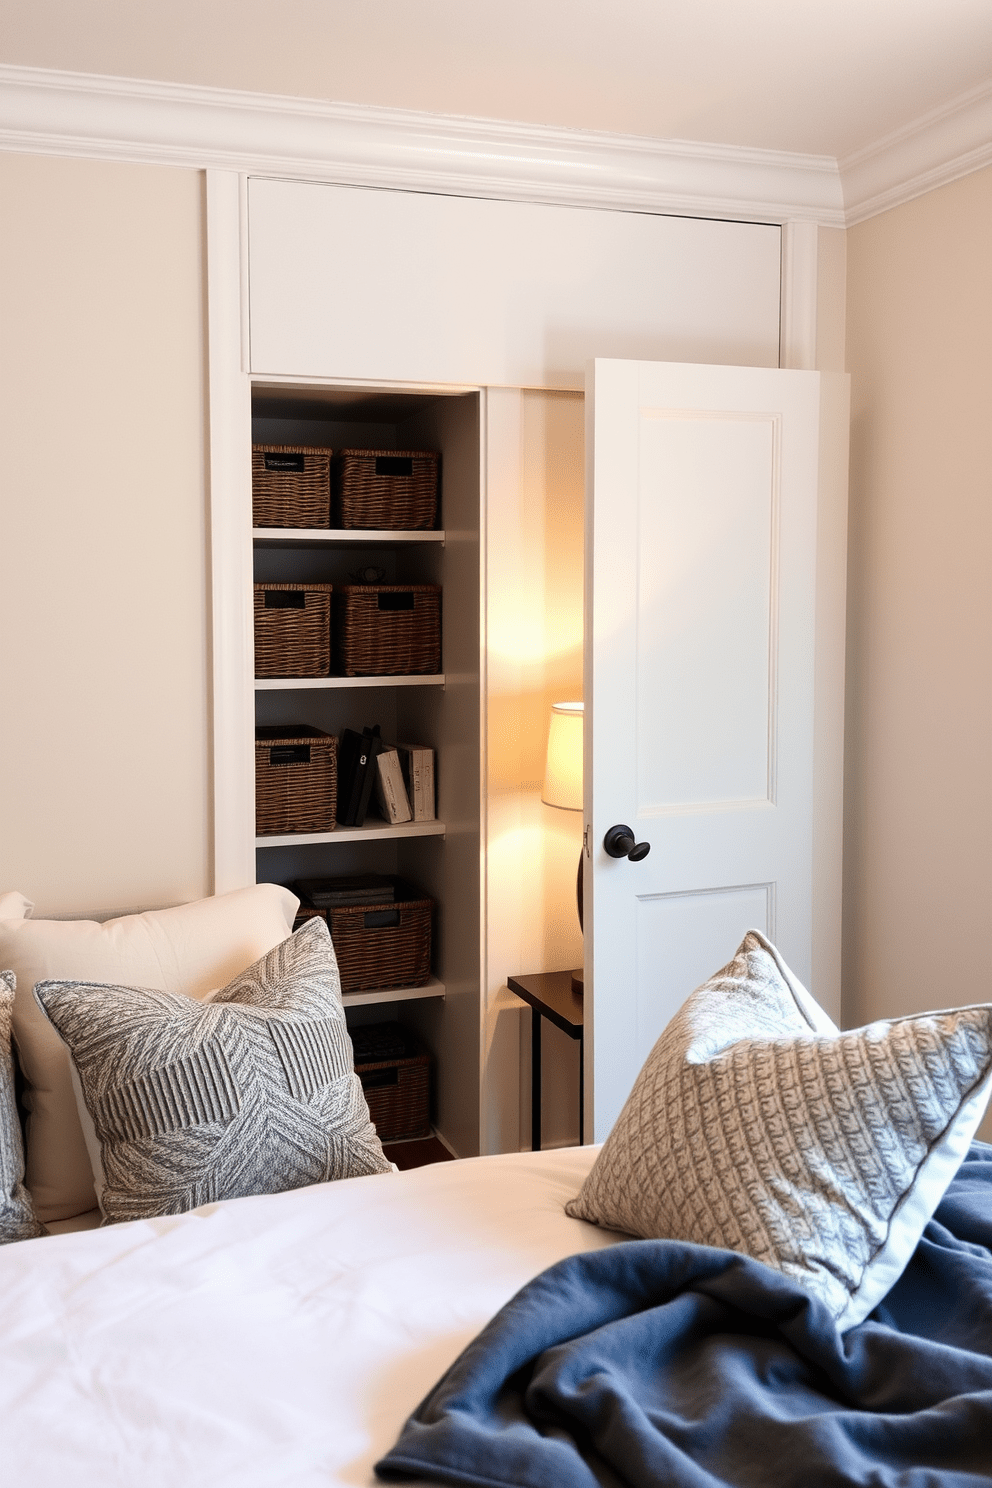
(654, 1362)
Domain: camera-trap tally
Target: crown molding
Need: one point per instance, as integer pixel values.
(106, 118)
(78, 114)
(935, 149)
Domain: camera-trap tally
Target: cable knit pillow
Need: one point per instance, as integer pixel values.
(17, 1221)
(192, 948)
(821, 1153)
(250, 1092)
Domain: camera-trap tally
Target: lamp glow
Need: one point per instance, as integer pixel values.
(563, 771)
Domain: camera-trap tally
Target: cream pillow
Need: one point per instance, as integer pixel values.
(823, 1154)
(193, 948)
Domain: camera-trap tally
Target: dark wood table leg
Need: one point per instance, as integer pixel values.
(551, 997)
(535, 1080)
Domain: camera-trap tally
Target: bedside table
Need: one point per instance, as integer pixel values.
(549, 994)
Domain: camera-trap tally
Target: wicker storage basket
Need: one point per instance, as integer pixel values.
(395, 1071)
(383, 630)
(296, 779)
(292, 630)
(391, 490)
(290, 485)
(381, 945)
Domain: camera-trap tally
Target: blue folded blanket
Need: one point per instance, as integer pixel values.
(653, 1362)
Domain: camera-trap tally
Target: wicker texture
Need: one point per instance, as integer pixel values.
(296, 779)
(380, 945)
(396, 1084)
(290, 497)
(388, 490)
(292, 641)
(384, 630)
(372, 954)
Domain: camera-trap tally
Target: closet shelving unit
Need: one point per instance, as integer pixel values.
(435, 709)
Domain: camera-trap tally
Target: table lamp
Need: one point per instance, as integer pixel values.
(563, 778)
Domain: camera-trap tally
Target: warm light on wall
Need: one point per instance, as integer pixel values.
(563, 779)
(563, 770)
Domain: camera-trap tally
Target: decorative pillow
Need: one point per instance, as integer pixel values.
(17, 1221)
(821, 1153)
(253, 1091)
(193, 948)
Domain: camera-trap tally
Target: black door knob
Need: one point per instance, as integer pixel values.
(619, 843)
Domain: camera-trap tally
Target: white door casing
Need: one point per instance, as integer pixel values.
(701, 573)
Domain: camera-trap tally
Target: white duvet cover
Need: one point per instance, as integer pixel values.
(274, 1340)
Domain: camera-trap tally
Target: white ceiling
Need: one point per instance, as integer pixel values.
(826, 77)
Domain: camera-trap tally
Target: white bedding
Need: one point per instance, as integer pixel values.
(273, 1340)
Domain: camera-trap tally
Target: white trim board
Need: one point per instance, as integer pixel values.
(77, 114)
(942, 146)
(232, 634)
(49, 112)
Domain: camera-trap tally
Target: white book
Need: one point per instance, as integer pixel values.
(417, 762)
(391, 795)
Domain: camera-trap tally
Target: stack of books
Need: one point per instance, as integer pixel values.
(400, 775)
(353, 888)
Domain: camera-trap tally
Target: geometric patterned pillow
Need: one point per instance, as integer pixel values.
(821, 1153)
(251, 1092)
(17, 1219)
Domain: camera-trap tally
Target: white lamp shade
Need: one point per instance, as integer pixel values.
(563, 771)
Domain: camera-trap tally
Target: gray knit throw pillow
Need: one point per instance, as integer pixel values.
(823, 1154)
(17, 1219)
(251, 1092)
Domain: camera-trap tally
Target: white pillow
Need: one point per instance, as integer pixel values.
(193, 948)
(823, 1154)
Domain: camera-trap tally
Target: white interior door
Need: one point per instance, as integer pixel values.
(701, 583)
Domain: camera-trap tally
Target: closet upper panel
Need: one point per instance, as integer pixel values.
(373, 285)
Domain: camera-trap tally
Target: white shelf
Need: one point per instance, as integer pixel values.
(433, 988)
(373, 831)
(297, 684)
(306, 537)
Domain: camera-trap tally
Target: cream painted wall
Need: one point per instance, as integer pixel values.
(103, 618)
(534, 635)
(918, 855)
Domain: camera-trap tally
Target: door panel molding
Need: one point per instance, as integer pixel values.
(715, 678)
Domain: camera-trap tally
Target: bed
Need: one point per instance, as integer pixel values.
(269, 1340)
(285, 1339)
(777, 1269)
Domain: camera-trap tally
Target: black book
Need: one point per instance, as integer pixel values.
(356, 772)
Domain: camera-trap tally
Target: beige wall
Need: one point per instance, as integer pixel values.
(918, 851)
(103, 619)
